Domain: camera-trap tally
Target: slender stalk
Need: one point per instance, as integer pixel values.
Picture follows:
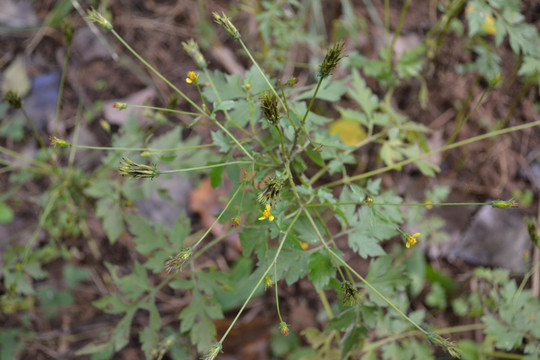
(141, 59)
(394, 204)
(278, 251)
(61, 90)
(429, 153)
(150, 150)
(203, 167)
(217, 219)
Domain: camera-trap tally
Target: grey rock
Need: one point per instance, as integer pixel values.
(495, 237)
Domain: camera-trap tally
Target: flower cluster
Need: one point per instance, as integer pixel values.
(267, 214)
(192, 78)
(411, 239)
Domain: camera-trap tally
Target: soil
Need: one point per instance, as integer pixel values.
(478, 172)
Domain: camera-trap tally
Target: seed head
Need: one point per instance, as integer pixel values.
(192, 48)
(331, 60)
(502, 204)
(350, 294)
(213, 352)
(235, 221)
(13, 99)
(449, 346)
(175, 263)
(268, 282)
(284, 328)
(67, 30)
(271, 192)
(99, 19)
(269, 107)
(120, 106)
(56, 142)
(227, 25)
(137, 171)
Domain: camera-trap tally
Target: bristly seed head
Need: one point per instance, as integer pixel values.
(175, 263)
(332, 59)
(213, 352)
(227, 25)
(502, 204)
(137, 171)
(269, 105)
(192, 48)
(99, 19)
(57, 142)
(13, 99)
(271, 192)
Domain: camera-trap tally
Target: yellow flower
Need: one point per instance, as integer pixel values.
(411, 239)
(192, 77)
(267, 214)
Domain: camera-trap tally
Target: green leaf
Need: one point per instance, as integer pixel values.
(321, 270)
(121, 332)
(342, 321)
(145, 238)
(228, 87)
(169, 140)
(203, 334)
(74, 275)
(111, 214)
(224, 105)
(385, 277)
(132, 285)
(351, 340)
(51, 299)
(6, 213)
(330, 90)
(216, 176)
(436, 297)
(11, 342)
(221, 140)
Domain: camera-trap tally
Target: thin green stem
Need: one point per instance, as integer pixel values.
(52, 198)
(61, 90)
(217, 219)
(276, 290)
(394, 204)
(400, 25)
(150, 150)
(34, 130)
(203, 167)
(141, 59)
(234, 139)
(129, 106)
(278, 251)
(400, 164)
(364, 142)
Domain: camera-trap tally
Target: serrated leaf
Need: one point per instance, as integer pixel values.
(203, 334)
(351, 340)
(224, 105)
(320, 270)
(221, 140)
(111, 214)
(132, 285)
(121, 332)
